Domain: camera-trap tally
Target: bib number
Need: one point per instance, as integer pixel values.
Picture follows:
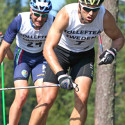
(31, 44)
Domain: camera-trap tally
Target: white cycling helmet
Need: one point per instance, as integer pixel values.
(41, 5)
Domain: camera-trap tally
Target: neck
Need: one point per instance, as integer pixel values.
(36, 27)
(81, 18)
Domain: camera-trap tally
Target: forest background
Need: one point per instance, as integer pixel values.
(61, 110)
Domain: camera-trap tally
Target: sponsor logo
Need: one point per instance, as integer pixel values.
(24, 73)
(92, 72)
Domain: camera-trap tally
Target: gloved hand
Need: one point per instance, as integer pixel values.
(65, 80)
(107, 56)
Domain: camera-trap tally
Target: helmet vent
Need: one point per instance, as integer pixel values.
(41, 8)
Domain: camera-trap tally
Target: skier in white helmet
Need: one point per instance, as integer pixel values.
(30, 29)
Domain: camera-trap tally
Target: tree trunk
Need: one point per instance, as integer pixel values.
(105, 79)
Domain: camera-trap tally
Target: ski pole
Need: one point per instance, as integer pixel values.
(3, 95)
(75, 86)
(100, 43)
(2, 80)
(29, 87)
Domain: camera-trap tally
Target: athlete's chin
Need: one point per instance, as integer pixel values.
(38, 24)
(88, 21)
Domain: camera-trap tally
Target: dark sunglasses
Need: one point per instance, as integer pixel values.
(39, 14)
(88, 9)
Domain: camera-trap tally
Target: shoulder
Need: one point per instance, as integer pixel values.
(17, 18)
(62, 14)
(15, 24)
(24, 14)
(102, 9)
(24, 17)
(109, 22)
(61, 21)
(108, 17)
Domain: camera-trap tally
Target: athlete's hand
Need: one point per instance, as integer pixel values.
(107, 56)
(65, 80)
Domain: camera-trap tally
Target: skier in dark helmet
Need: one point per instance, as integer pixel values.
(70, 44)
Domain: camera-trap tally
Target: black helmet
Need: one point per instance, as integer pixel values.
(92, 2)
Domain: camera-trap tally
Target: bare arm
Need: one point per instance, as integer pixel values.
(9, 54)
(53, 37)
(4, 48)
(111, 29)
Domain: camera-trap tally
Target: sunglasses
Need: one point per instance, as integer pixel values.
(88, 9)
(39, 14)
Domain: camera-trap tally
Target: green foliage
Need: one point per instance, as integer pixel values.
(120, 89)
(120, 74)
(122, 17)
(71, 1)
(62, 108)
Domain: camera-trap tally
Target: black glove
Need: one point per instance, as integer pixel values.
(65, 80)
(107, 56)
